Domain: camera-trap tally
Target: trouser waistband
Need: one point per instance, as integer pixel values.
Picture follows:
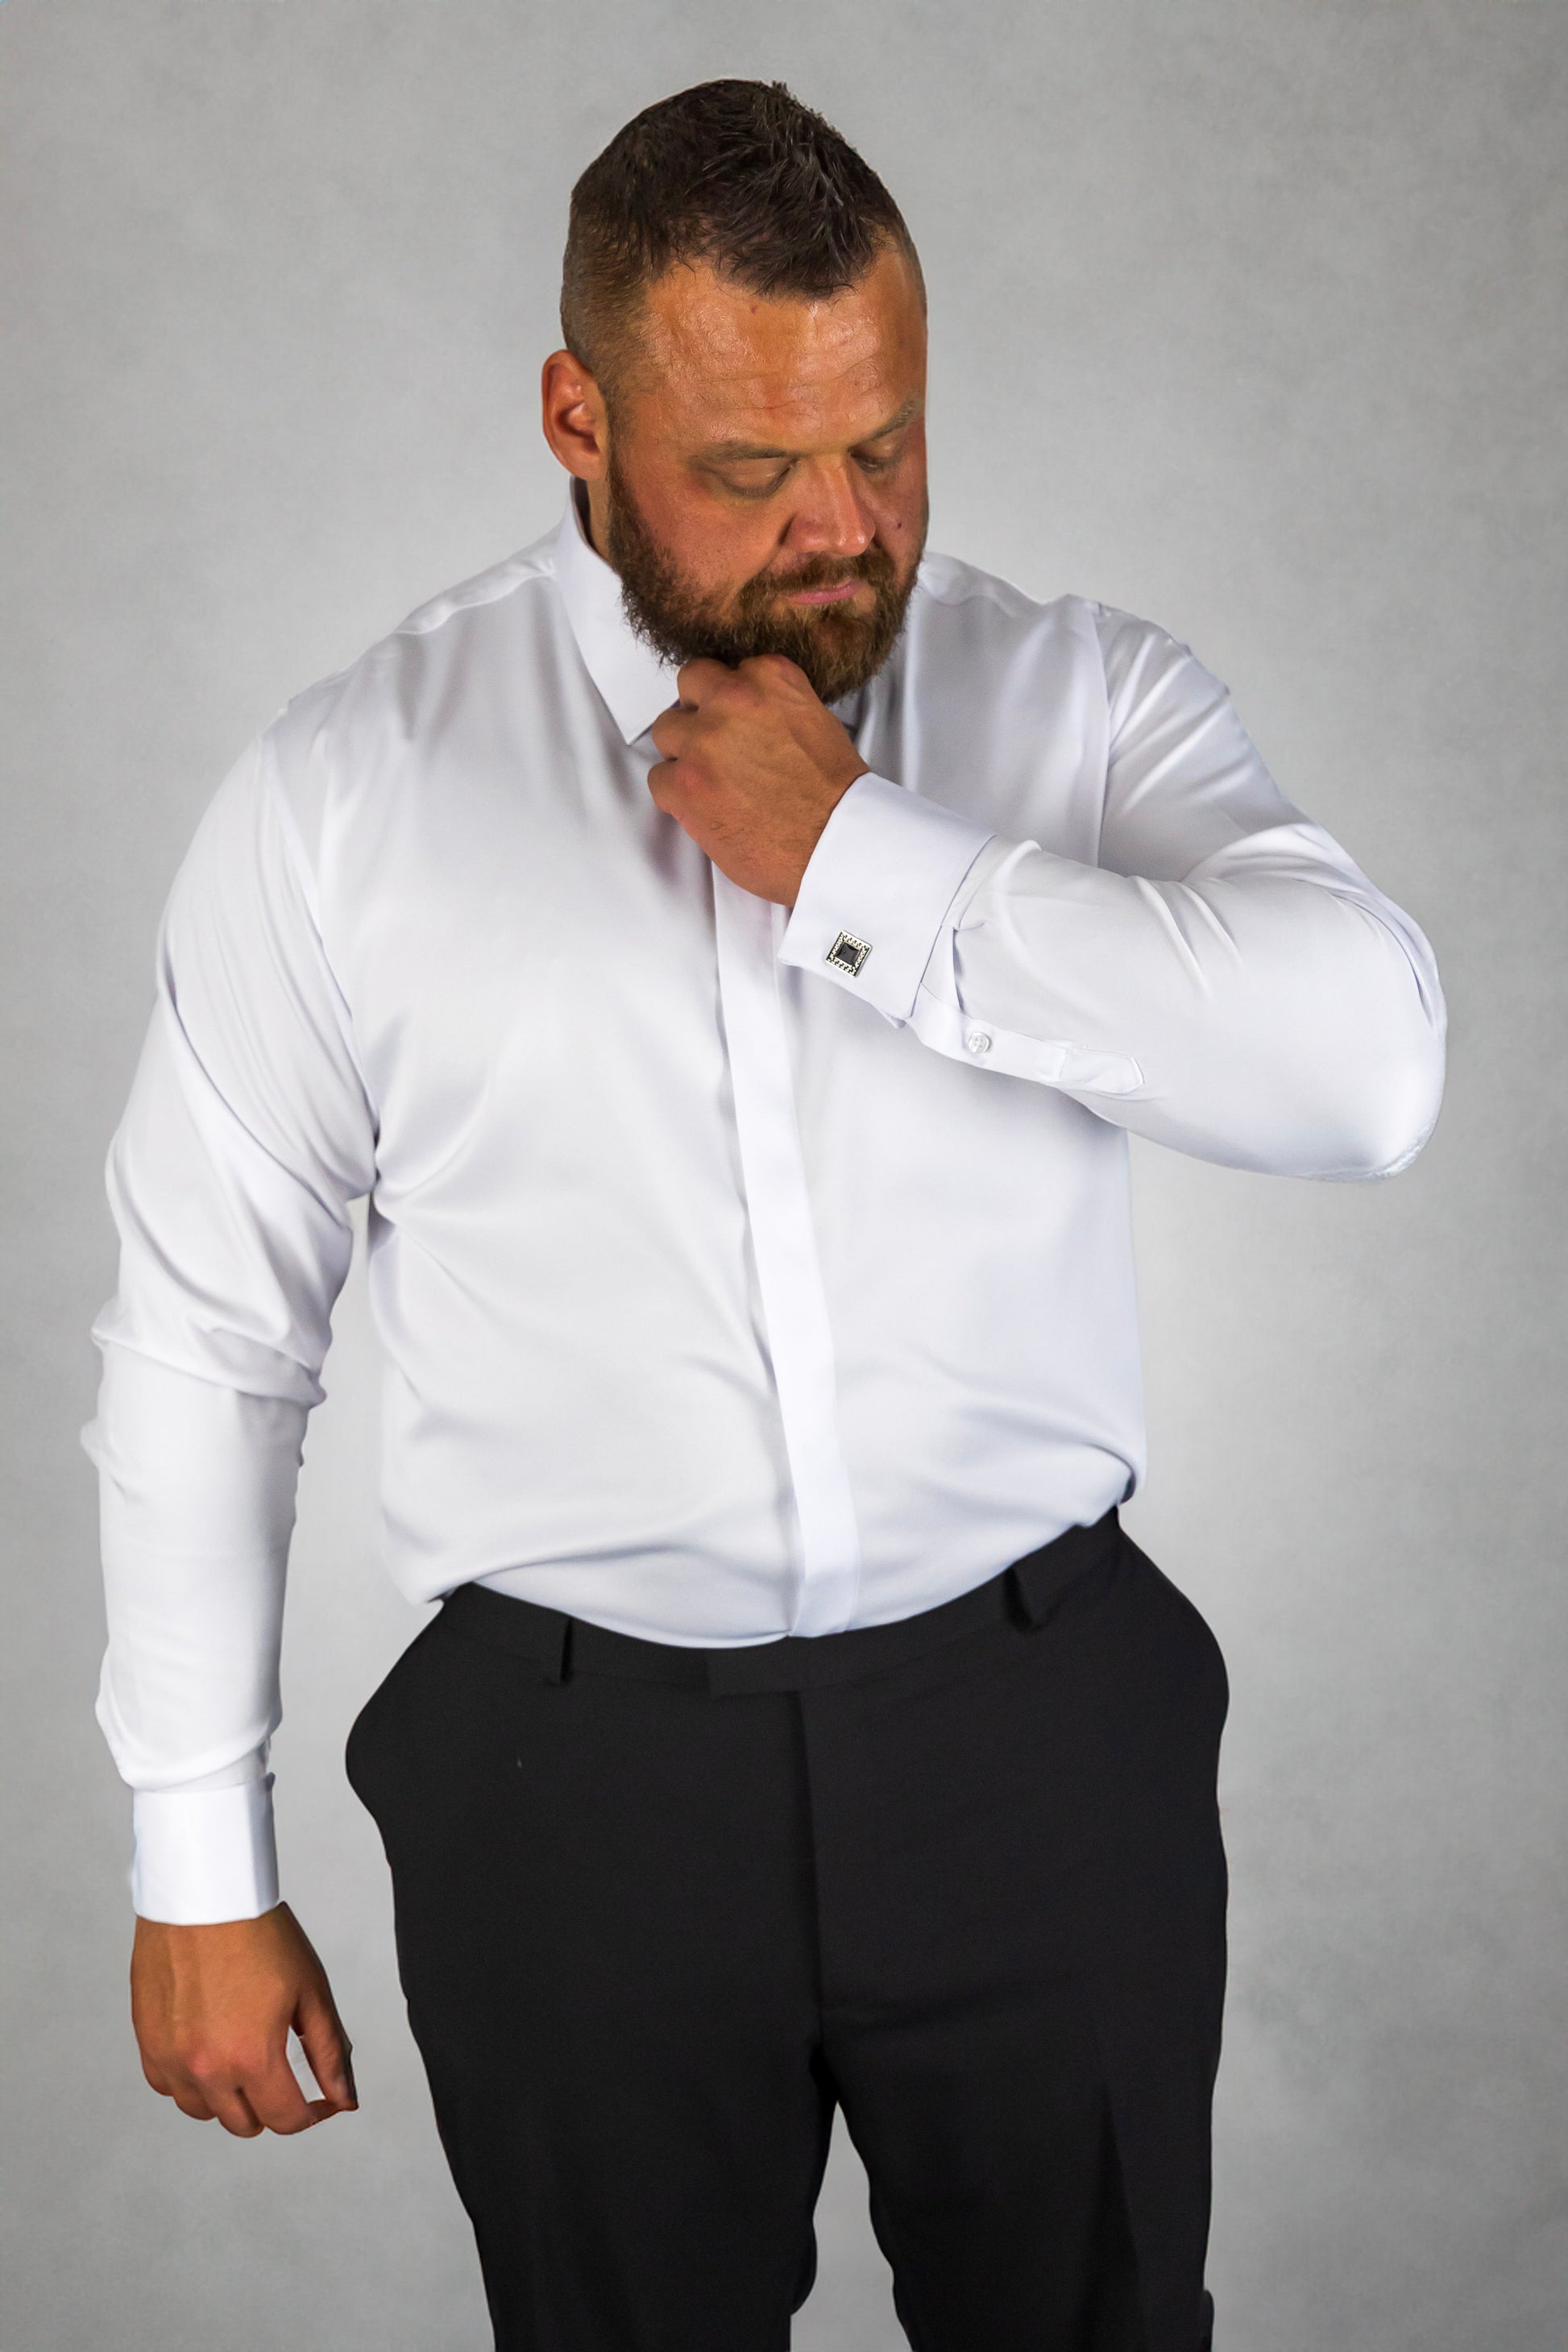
(1024, 1594)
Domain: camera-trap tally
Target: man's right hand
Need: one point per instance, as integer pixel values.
(212, 2007)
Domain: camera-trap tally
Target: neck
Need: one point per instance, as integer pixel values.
(585, 505)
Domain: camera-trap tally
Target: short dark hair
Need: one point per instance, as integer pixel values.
(736, 174)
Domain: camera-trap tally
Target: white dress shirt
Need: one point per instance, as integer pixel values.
(736, 1274)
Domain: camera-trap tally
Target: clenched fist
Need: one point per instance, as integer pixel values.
(212, 2008)
(754, 767)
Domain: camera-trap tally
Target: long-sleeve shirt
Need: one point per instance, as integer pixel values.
(737, 1272)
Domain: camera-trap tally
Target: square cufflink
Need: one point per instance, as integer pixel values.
(849, 954)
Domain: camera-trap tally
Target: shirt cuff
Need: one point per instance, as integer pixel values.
(204, 1854)
(877, 891)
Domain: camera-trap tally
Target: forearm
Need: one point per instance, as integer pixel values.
(1270, 1009)
(196, 1499)
(1267, 1012)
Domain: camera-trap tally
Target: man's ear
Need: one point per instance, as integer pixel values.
(573, 416)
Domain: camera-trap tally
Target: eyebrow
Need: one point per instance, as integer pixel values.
(735, 449)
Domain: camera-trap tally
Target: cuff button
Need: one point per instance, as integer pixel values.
(978, 1042)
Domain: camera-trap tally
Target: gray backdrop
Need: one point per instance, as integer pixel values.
(1246, 317)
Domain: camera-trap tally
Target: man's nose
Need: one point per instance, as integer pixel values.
(830, 520)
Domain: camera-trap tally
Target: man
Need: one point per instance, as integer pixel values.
(730, 949)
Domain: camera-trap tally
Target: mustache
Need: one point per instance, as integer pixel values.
(875, 566)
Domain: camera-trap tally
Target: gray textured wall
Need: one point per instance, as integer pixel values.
(1248, 317)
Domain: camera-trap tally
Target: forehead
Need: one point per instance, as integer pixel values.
(719, 362)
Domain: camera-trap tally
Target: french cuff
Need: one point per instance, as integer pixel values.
(204, 1854)
(878, 890)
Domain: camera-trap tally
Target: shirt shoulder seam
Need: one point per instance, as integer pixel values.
(486, 588)
(967, 583)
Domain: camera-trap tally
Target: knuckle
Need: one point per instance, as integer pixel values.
(210, 2063)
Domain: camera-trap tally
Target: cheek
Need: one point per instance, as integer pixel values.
(907, 491)
(713, 549)
(897, 504)
(900, 525)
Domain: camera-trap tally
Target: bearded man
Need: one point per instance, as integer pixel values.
(728, 948)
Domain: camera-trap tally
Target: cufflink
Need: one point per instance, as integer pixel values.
(847, 953)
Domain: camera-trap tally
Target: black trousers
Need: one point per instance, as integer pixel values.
(659, 1911)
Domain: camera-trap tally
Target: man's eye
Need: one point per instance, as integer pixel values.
(750, 486)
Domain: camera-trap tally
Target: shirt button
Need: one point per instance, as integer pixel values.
(978, 1041)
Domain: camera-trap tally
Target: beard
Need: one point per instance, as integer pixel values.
(839, 649)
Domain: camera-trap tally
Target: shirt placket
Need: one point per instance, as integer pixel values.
(784, 1242)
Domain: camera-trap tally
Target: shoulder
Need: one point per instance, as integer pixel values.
(499, 581)
(994, 658)
(343, 725)
(961, 596)
(1145, 665)
(976, 616)
(963, 599)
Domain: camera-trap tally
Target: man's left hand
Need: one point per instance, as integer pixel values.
(754, 767)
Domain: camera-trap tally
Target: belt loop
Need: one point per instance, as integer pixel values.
(557, 1663)
(541, 1636)
(1031, 1607)
(1041, 1582)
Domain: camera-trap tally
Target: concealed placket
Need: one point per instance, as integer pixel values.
(784, 1242)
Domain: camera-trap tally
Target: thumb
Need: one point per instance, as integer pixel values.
(326, 2045)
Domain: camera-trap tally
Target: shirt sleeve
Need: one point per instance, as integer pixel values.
(248, 1133)
(1222, 978)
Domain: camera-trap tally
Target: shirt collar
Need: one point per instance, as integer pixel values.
(635, 681)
